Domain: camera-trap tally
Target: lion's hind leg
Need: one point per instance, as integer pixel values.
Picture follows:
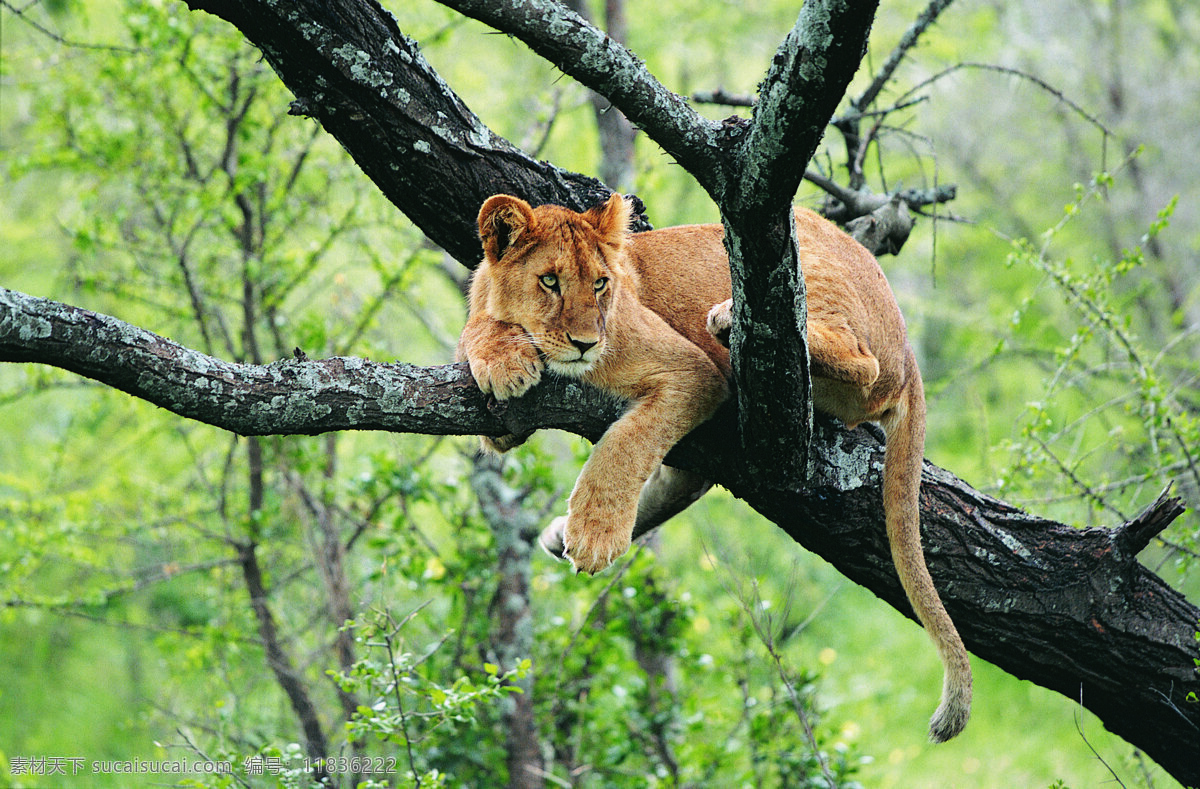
(551, 538)
(668, 492)
(835, 352)
(720, 321)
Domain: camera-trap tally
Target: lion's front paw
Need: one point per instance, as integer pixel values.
(592, 547)
(508, 376)
(720, 321)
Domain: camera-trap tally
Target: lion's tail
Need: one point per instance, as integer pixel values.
(902, 463)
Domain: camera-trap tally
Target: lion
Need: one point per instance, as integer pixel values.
(646, 316)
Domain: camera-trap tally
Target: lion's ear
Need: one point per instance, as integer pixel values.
(502, 220)
(611, 220)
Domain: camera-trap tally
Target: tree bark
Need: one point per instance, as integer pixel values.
(1069, 609)
(617, 134)
(768, 345)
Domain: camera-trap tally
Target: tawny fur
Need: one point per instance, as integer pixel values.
(634, 314)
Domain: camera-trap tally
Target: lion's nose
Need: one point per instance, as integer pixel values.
(582, 345)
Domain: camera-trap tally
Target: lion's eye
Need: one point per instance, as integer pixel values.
(600, 284)
(550, 281)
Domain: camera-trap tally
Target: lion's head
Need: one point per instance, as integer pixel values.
(555, 273)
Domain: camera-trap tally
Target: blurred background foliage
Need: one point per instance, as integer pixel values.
(151, 172)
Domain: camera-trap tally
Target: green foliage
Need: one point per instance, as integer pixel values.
(1106, 392)
(406, 707)
(430, 705)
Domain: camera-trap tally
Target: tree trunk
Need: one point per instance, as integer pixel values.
(515, 528)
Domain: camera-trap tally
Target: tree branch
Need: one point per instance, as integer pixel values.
(909, 40)
(1130, 538)
(1067, 608)
(281, 664)
(849, 124)
(805, 84)
(288, 397)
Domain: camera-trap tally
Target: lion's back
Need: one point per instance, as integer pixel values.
(682, 272)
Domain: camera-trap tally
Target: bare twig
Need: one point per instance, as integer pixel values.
(203, 755)
(1079, 713)
(396, 685)
(19, 12)
(1026, 76)
(724, 98)
(752, 605)
(907, 42)
(149, 577)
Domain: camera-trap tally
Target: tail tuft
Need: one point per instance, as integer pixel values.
(955, 709)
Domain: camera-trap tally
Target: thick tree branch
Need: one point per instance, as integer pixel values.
(293, 396)
(802, 89)
(617, 134)
(1070, 609)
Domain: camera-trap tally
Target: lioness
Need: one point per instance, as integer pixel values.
(634, 314)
